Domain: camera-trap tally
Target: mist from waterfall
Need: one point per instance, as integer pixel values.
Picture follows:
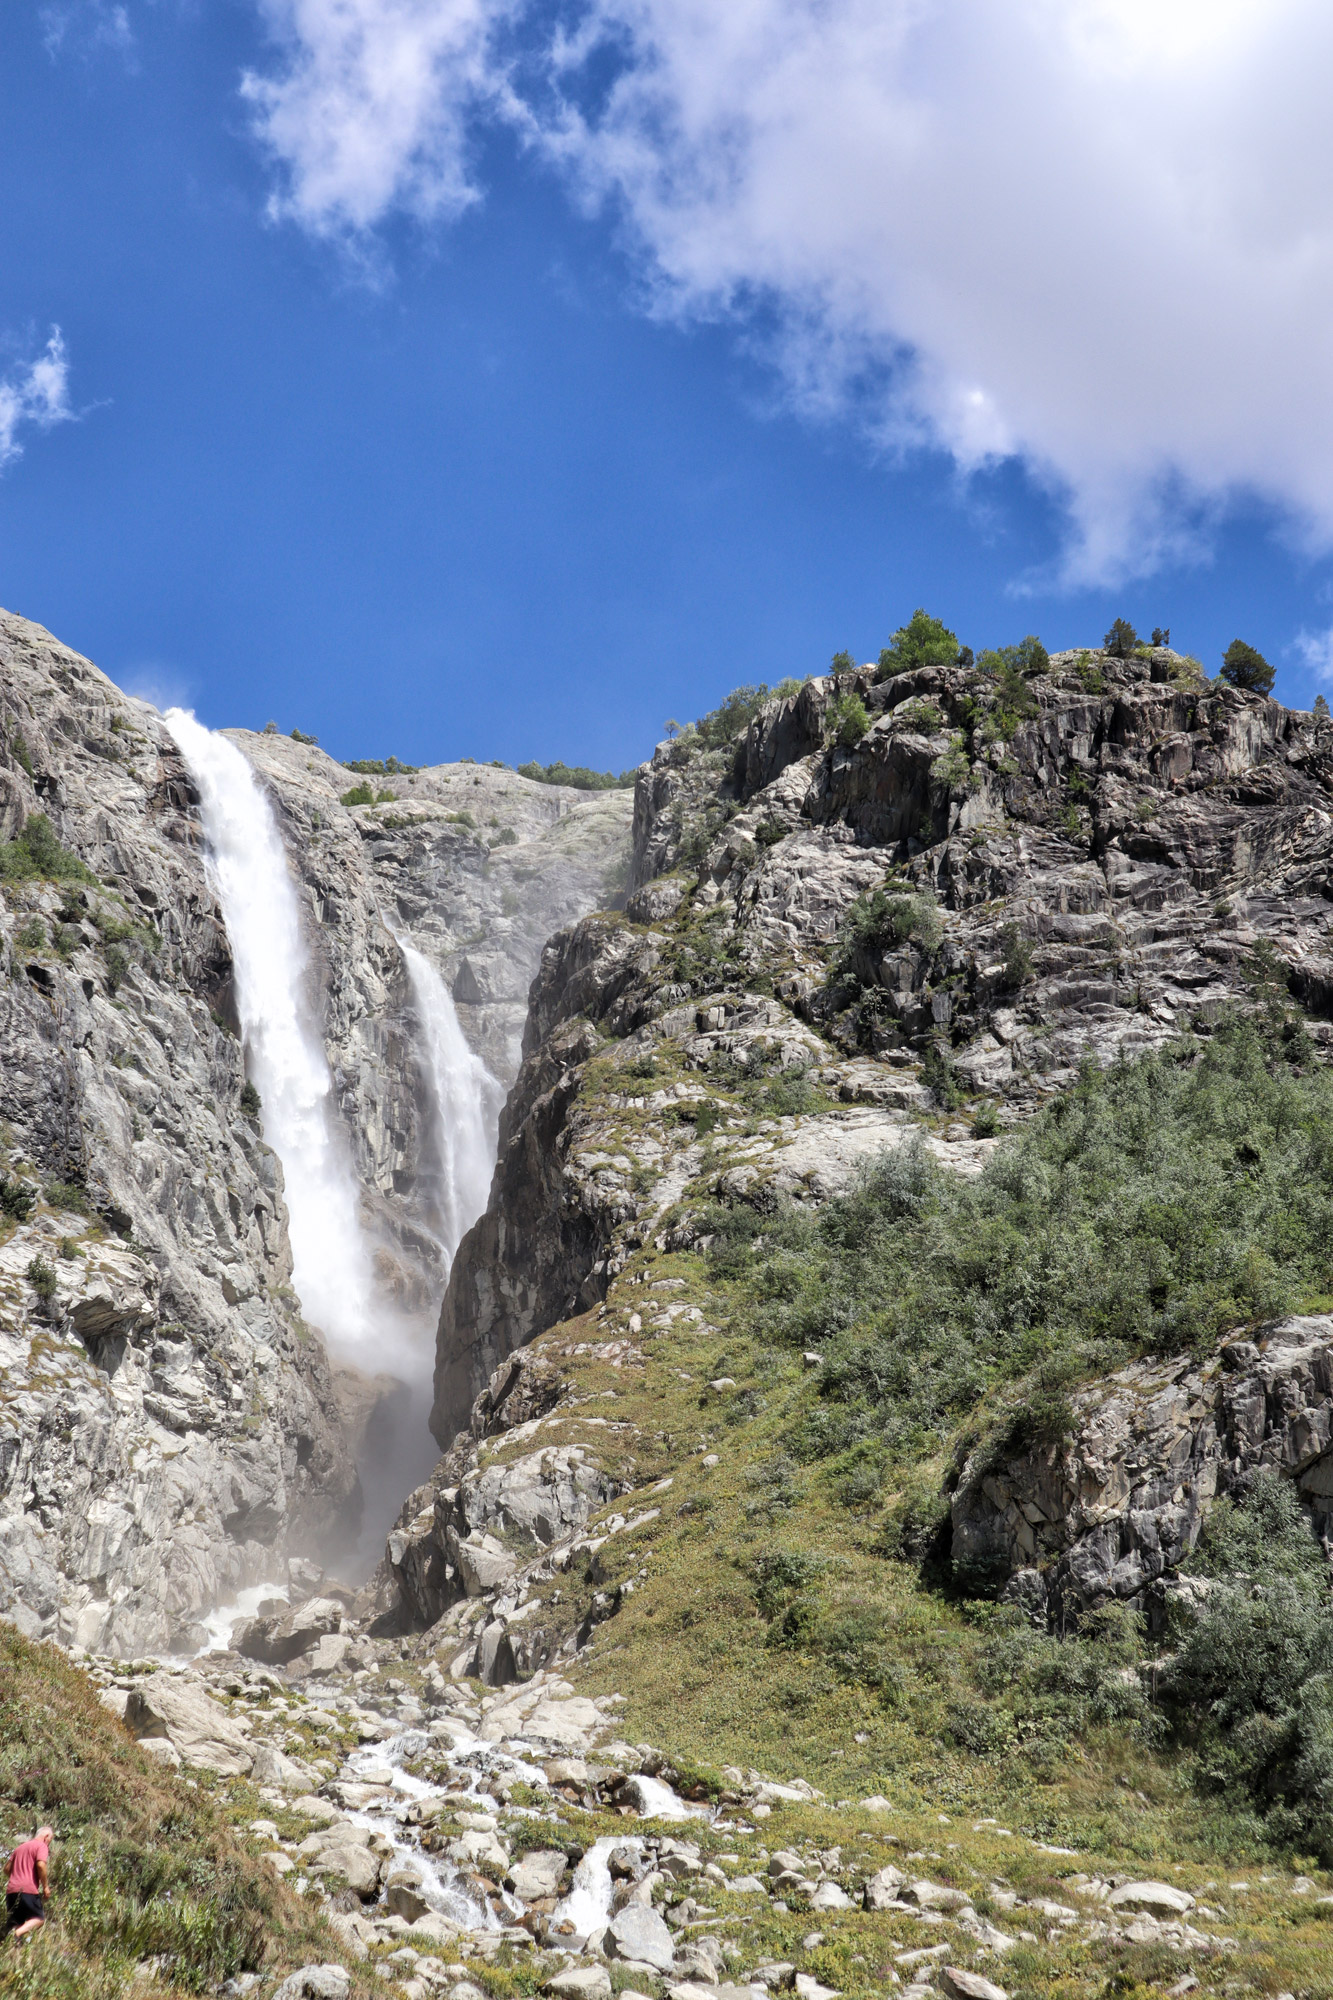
(247, 863)
(466, 1104)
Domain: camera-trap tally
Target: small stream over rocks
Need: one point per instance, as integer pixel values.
(443, 1830)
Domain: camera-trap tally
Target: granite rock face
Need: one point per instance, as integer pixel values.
(1107, 1514)
(1123, 861)
(169, 1430)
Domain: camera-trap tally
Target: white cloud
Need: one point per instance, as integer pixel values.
(35, 393)
(1089, 234)
(370, 108)
(1316, 651)
(87, 25)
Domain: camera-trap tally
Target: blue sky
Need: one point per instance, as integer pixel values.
(518, 437)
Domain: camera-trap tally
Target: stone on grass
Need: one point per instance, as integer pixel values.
(163, 1749)
(1154, 1897)
(203, 1732)
(809, 1988)
(960, 1985)
(580, 1982)
(884, 1889)
(641, 1935)
(316, 1982)
(272, 1767)
(828, 1896)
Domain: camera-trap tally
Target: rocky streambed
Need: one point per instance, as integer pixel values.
(447, 1829)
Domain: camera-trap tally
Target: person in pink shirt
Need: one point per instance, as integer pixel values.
(28, 1886)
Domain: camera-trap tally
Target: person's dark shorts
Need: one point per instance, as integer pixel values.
(20, 1907)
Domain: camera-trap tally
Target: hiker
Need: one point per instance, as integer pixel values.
(27, 1886)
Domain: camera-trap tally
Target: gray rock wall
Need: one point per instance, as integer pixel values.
(167, 1428)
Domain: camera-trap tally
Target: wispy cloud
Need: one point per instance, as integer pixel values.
(1088, 235)
(1316, 651)
(88, 26)
(35, 394)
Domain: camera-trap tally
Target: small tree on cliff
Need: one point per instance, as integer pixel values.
(1247, 668)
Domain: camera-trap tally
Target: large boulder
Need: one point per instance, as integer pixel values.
(199, 1728)
(281, 1637)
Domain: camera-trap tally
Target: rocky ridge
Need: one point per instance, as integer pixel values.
(1138, 853)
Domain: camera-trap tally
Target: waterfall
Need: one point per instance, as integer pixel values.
(466, 1103)
(247, 863)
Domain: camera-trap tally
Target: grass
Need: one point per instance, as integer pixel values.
(144, 1865)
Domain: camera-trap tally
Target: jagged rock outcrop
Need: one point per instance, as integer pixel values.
(1121, 852)
(167, 1427)
(1105, 1514)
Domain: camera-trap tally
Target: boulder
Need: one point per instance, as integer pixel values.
(961, 1985)
(538, 1874)
(199, 1728)
(1158, 1898)
(580, 1982)
(884, 1890)
(641, 1935)
(316, 1982)
(272, 1767)
(278, 1639)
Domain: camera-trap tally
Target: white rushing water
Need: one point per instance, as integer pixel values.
(248, 864)
(466, 1103)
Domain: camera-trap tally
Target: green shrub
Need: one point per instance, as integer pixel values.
(1121, 640)
(67, 940)
(579, 776)
(299, 736)
(381, 767)
(1019, 967)
(985, 1120)
(41, 1276)
(68, 1196)
(117, 967)
(842, 663)
(31, 936)
(36, 853)
(18, 745)
(1244, 667)
(1251, 1685)
(359, 795)
(922, 642)
(1150, 1208)
(17, 1199)
(876, 922)
(847, 720)
(952, 769)
(506, 837)
(251, 1102)
(461, 819)
(1321, 710)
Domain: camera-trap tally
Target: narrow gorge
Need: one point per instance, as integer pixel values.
(710, 1389)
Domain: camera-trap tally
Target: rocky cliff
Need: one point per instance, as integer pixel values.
(965, 902)
(168, 1427)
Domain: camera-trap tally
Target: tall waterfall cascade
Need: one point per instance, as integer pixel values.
(466, 1102)
(248, 864)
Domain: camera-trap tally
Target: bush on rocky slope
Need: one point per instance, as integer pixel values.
(1149, 1209)
(144, 1867)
